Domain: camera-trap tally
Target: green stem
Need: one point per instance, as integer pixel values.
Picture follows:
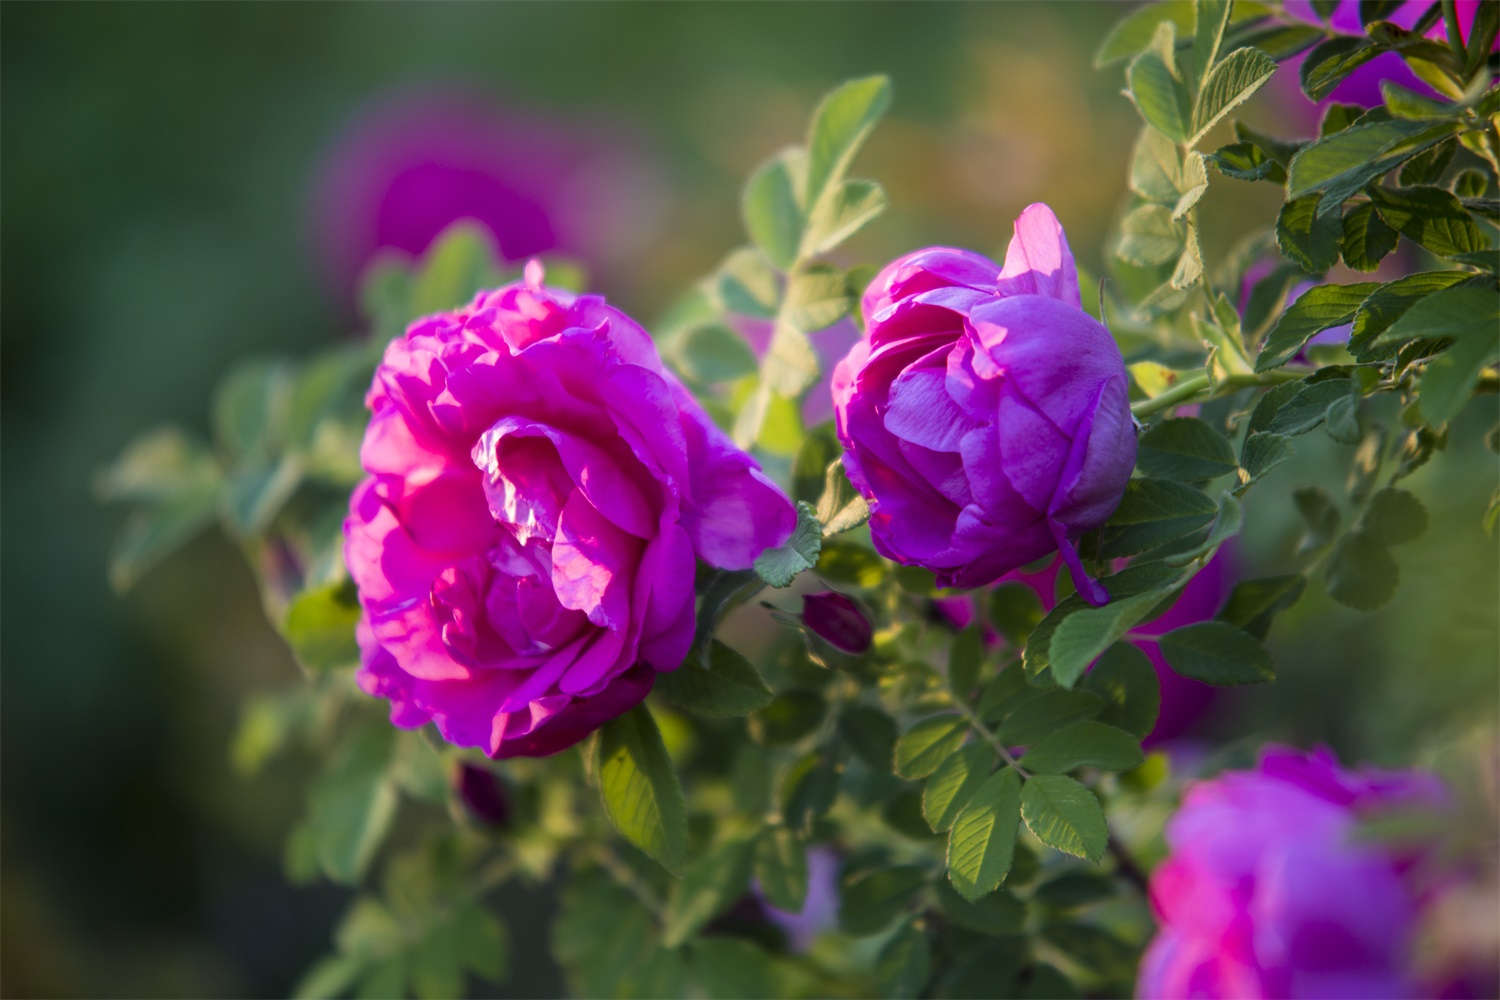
(977, 724)
(1200, 385)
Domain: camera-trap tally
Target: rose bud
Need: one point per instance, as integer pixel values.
(838, 620)
(540, 492)
(482, 794)
(985, 415)
(1269, 892)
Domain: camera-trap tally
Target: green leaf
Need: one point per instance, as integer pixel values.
(997, 913)
(1136, 579)
(152, 534)
(1329, 63)
(927, 744)
(1394, 517)
(1065, 815)
(1210, 18)
(1308, 405)
(817, 296)
(747, 284)
(1263, 452)
(601, 934)
(787, 718)
(1157, 88)
(905, 963)
(1149, 236)
(706, 888)
(729, 687)
(1337, 117)
(1124, 678)
(256, 492)
(330, 977)
(954, 783)
(772, 206)
(1341, 420)
(840, 125)
(1156, 168)
(1320, 514)
(1361, 572)
(163, 466)
(1308, 239)
(1084, 635)
(1430, 217)
(1390, 301)
(730, 968)
(639, 787)
(1070, 889)
(1279, 41)
(871, 734)
(870, 900)
(458, 263)
(1152, 512)
(1450, 377)
(712, 353)
(1085, 743)
(1194, 183)
(1468, 313)
(351, 804)
(965, 657)
(1015, 609)
(1184, 448)
(779, 566)
(1315, 310)
(319, 626)
(983, 837)
(808, 791)
(1028, 720)
(846, 210)
(1246, 161)
(780, 867)
(840, 508)
(1217, 653)
(1428, 167)
(1367, 239)
(1228, 85)
(1343, 163)
(1135, 32)
(1253, 603)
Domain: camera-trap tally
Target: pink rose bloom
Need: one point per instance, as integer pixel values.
(1266, 892)
(985, 415)
(540, 490)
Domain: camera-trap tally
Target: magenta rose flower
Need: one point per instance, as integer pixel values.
(540, 489)
(1266, 892)
(985, 415)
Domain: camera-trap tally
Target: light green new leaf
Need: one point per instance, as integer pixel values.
(1065, 815)
(954, 783)
(1148, 235)
(319, 626)
(639, 787)
(983, 837)
(842, 213)
(927, 744)
(840, 125)
(1228, 85)
(772, 206)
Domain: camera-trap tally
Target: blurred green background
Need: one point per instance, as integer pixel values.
(158, 225)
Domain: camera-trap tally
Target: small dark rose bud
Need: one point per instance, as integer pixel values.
(837, 619)
(482, 794)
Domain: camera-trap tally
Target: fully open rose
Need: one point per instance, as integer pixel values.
(540, 490)
(985, 416)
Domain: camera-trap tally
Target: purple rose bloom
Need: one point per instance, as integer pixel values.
(1266, 893)
(540, 490)
(409, 168)
(985, 415)
(1361, 87)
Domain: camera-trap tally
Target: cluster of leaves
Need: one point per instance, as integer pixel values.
(960, 775)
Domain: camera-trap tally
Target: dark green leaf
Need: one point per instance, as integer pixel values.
(1315, 310)
(787, 718)
(1029, 720)
(1371, 11)
(1361, 572)
(905, 963)
(1071, 889)
(728, 688)
(997, 913)
(1428, 167)
(924, 746)
(1390, 301)
(1152, 512)
(1084, 744)
(729, 968)
(779, 566)
(639, 787)
(871, 734)
(984, 836)
(1367, 239)
(954, 783)
(1246, 161)
(1394, 516)
(706, 888)
(1449, 379)
(1131, 580)
(1470, 183)
(1326, 65)
(1344, 163)
(1337, 117)
(1308, 239)
(1341, 420)
(1084, 635)
(1134, 32)
(1015, 609)
(1319, 513)
(1124, 678)
(1217, 653)
(870, 900)
(808, 791)
(1184, 448)
(1065, 815)
(781, 869)
(1430, 217)
(1253, 603)
(1264, 451)
(965, 657)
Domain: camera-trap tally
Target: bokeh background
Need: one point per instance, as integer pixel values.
(173, 200)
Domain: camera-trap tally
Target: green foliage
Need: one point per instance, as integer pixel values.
(983, 838)
(779, 566)
(639, 787)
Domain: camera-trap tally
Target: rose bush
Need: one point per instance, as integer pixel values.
(539, 491)
(985, 414)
